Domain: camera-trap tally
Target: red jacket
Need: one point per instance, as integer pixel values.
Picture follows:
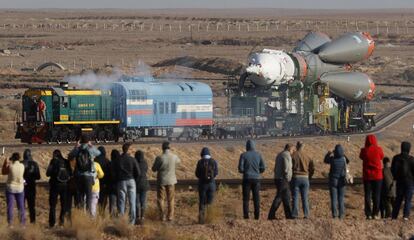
(371, 156)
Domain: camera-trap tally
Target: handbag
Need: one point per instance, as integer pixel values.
(349, 179)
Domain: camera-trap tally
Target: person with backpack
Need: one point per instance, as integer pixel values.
(142, 186)
(31, 175)
(283, 176)
(165, 166)
(251, 165)
(105, 182)
(388, 190)
(85, 171)
(371, 156)
(337, 180)
(402, 169)
(302, 171)
(127, 170)
(14, 187)
(59, 173)
(96, 188)
(206, 172)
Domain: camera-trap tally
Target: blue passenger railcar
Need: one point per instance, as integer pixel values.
(154, 108)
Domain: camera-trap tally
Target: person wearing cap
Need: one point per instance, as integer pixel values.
(165, 165)
(14, 187)
(206, 172)
(283, 175)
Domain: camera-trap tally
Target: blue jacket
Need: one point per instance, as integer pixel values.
(251, 163)
(337, 162)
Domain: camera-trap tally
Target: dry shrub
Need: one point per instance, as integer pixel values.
(230, 149)
(190, 200)
(152, 214)
(165, 233)
(31, 232)
(119, 227)
(82, 227)
(214, 214)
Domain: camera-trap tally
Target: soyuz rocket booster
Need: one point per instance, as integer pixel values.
(317, 58)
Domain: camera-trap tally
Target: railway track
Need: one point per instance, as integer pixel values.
(191, 184)
(382, 122)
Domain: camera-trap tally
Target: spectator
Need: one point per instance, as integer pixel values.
(60, 173)
(403, 172)
(303, 169)
(206, 172)
(31, 174)
(84, 153)
(283, 176)
(337, 180)
(73, 196)
(127, 171)
(14, 187)
(165, 166)
(113, 189)
(251, 165)
(105, 183)
(96, 188)
(142, 186)
(388, 190)
(372, 156)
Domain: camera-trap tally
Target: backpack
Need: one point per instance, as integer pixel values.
(62, 175)
(83, 161)
(208, 169)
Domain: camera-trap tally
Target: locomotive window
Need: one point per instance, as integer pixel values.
(161, 107)
(173, 107)
(166, 108)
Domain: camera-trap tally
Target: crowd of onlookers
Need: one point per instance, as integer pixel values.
(89, 179)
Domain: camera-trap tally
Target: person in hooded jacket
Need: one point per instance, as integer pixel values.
(31, 175)
(105, 182)
(113, 190)
(206, 172)
(337, 175)
(251, 165)
(371, 156)
(142, 186)
(59, 171)
(402, 169)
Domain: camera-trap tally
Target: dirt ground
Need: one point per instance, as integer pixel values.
(107, 41)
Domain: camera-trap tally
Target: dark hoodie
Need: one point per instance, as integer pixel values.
(251, 163)
(31, 169)
(337, 162)
(372, 156)
(106, 168)
(402, 167)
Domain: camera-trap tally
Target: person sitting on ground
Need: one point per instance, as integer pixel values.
(14, 187)
(388, 191)
(251, 165)
(337, 180)
(31, 175)
(283, 176)
(206, 172)
(303, 169)
(403, 172)
(60, 173)
(127, 170)
(84, 153)
(142, 186)
(371, 156)
(165, 166)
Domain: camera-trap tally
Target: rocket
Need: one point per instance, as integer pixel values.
(317, 58)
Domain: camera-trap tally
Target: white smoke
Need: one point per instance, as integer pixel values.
(92, 80)
(142, 70)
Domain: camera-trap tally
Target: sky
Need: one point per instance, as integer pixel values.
(161, 4)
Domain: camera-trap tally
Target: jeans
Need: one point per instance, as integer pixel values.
(94, 203)
(372, 191)
(252, 185)
(282, 196)
(337, 192)
(19, 198)
(404, 192)
(127, 188)
(163, 192)
(141, 204)
(56, 191)
(206, 196)
(30, 196)
(84, 189)
(300, 185)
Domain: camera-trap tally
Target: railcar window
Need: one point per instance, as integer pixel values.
(155, 108)
(166, 108)
(173, 107)
(184, 115)
(193, 115)
(161, 107)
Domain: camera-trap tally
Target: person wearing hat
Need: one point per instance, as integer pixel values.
(165, 165)
(14, 187)
(206, 173)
